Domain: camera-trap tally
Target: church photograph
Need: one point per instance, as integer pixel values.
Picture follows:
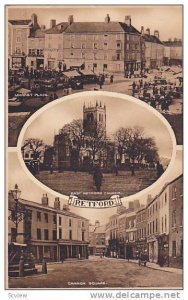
(97, 146)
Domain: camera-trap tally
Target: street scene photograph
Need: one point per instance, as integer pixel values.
(56, 51)
(97, 146)
(94, 148)
(53, 245)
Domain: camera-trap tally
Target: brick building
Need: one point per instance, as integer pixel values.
(97, 245)
(18, 40)
(99, 46)
(176, 222)
(173, 52)
(53, 232)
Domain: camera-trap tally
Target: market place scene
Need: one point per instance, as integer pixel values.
(46, 62)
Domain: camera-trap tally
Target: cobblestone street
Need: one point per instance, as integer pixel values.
(82, 183)
(99, 273)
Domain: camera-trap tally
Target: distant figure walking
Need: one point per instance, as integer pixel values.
(160, 169)
(97, 177)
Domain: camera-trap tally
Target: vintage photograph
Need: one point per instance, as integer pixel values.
(97, 146)
(54, 245)
(94, 153)
(56, 51)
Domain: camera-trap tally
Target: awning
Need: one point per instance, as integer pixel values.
(23, 91)
(18, 244)
(70, 74)
(84, 72)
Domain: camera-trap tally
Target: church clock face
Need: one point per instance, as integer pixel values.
(97, 146)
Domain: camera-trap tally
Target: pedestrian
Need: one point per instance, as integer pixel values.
(111, 78)
(97, 177)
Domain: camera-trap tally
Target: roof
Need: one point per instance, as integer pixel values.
(92, 27)
(19, 22)
(71, 74)
(38, 205)
(37, 33)
(100, 229)
(152, 39)
(162, 190)
(173, 43)
(59, 28)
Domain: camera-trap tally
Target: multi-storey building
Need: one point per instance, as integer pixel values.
(98, 46)
(141, 230)
(152, 48)
(97, 239)
(50, 231)
(19, 32)
(176, 222)
(173, 52)
(36, 44)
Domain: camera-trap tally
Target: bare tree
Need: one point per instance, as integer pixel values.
(36, 145)
(132, 142)
(75, 132)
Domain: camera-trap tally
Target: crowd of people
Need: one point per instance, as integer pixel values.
(157, 95)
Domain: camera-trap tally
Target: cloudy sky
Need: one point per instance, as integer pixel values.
(165, 18)
(119, 113)
(33, 192)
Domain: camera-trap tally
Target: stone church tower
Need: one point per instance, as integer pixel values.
(93, 117)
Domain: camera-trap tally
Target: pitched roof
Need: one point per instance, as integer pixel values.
(59, 28)
(40, 206)
(92, 27)
(19, 22)
(152, 39)
(173, 43)
(37, 33)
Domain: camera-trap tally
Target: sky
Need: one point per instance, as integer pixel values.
(33, 192)
(165, 18)
(119, 113)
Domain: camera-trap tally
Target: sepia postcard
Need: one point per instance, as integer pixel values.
(94, 125)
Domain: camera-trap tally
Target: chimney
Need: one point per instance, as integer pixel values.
(156, 33)
(136, 204)
(52, 23)
(175, 39)
(142, 30)
(43, 27)
(45, 200)
(170, 40)
(66, 207)
(97, 223)
(107, 19)
(57, 203)
(131, 205)
(148, 31)
(34, 19)
(70, 19)
(128, 20)
(149, 198)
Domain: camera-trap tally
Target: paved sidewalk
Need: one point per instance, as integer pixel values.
(155, 266)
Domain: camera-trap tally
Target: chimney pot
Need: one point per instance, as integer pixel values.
(52, 23)
(148, 31)
(107, 19)
(128, 20)
(70, 19)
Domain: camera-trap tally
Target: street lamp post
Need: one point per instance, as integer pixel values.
(16, 192)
